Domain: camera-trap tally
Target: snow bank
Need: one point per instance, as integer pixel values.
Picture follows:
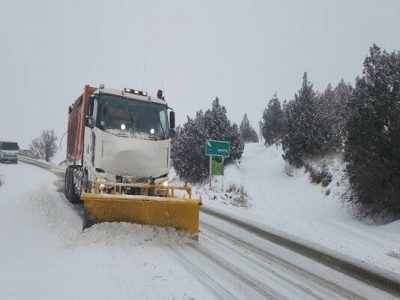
(294, 205)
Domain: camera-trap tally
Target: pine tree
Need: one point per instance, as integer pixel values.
(247, 132)
(271, 124)
(188, 153)
(187, 149)
(343, 94)
(327, 117)
(302, 137)
(372, 150)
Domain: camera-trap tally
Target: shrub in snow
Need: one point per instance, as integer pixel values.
(45, 146)
(238, 195)
(322, 176)
(271, 124)
(234, 195)
(247, 132)
(394, 254)
(309, 129)
(288, 169)
(188, 153)
(372, 150)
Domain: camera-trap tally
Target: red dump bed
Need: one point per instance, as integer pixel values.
(76, 125)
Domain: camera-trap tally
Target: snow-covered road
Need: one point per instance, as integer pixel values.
(45, 255)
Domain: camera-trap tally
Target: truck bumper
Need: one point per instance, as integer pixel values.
(12, 160)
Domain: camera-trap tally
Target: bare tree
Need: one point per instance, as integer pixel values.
(45, 146)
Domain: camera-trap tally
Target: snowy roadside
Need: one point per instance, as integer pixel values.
(296, 208)
(45, 254)
(293, 206)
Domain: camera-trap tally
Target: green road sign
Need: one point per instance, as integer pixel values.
(217, 148)
(217, 166)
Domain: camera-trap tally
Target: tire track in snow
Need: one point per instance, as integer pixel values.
(217, 289)
(221, 270)
(272, 266)
(249, 280)
(385, 282)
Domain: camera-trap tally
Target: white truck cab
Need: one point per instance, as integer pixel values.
(126, 138)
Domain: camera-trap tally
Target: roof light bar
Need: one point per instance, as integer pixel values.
(136, 92)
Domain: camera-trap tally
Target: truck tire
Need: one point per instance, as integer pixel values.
(73, 196)
(66, 183)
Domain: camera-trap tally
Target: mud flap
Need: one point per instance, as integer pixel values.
(182, 214)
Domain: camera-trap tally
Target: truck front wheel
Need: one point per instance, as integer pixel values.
(66, 183)
(74, 197)
(71, 194)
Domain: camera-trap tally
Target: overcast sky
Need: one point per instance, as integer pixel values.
(241, 51)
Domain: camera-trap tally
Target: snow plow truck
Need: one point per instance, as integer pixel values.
(118, 154)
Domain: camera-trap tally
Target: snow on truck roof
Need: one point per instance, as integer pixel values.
(130, 95)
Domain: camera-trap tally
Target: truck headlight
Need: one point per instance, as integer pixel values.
(100, 180)
(165, 183)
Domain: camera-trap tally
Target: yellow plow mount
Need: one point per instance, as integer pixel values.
(180, 213)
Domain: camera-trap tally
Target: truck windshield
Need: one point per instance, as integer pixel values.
(9, 146)
(132, 118)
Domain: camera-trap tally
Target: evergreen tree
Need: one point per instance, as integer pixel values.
(247, 132)
(327, 116)
(305, 133)
(372, 150)
(343, 94)
(271, 124)
(188, 147)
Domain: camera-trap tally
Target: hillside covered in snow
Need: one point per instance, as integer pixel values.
(297, 208)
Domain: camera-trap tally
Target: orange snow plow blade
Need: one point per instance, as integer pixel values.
(180, 213)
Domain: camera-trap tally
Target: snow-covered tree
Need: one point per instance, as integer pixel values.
(219, 127)
(327, 115)
(307, 129)
(44, 146)
(247, 132)
(343, 94)
(187, 151)
(372, 150)
(188, 147)
(271, 124)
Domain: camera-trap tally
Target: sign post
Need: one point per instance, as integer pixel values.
(217, 148)
(210, 167)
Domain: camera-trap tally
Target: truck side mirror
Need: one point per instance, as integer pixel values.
(172, 133)
(89, 121)
(172, 119)
(91, 104)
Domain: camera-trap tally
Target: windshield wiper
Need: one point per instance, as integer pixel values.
(159, 121)
(130, 113)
